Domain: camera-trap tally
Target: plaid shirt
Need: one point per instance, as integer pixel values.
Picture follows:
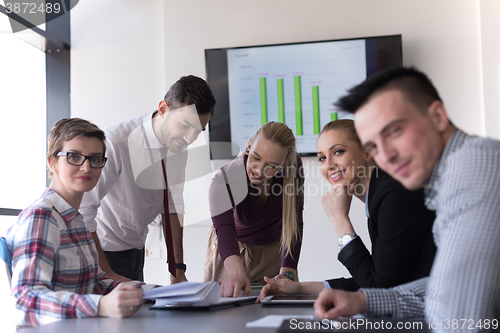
(464, 283)
(55, 266)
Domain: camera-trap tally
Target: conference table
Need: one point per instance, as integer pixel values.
(184, 321)
(179, 321)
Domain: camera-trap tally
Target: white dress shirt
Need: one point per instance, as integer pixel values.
(129, 194)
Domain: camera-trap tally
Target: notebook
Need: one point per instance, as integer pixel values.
(192, 295)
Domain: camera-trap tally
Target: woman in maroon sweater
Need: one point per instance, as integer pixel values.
(256, 203)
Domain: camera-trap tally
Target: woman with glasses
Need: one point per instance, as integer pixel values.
(54, 259)
(399, 224)
(256, 204)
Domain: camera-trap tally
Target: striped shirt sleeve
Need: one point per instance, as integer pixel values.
(404, 301)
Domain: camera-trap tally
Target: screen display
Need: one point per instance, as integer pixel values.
(296, 84)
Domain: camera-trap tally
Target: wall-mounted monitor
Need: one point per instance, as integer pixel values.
(295, 83)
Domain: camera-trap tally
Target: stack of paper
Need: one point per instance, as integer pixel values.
(185, 293)
(193, 295)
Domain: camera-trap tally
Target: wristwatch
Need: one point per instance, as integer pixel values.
(346, 238)
(289, 275)
(181, 266)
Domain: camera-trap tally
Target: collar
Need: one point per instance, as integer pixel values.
(367, 211)
(150, 139)
(64, 209)
(455, 142)
(374, 177)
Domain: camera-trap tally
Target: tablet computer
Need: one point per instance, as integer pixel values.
(290, 300)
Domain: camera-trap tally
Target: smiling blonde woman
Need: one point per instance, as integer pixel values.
(256, 204)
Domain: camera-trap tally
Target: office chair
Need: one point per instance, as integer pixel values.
(4, 254)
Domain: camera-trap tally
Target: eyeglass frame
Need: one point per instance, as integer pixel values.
(66, 153)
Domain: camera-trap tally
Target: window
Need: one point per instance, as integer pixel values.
(34, 94)
(22, 133)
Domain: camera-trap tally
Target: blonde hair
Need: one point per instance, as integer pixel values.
(346, 125)
(70, 128)
(283, 135)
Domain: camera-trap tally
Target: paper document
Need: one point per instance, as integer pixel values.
(191, 295)
(274, 320)
(185, 293)
(178, 289)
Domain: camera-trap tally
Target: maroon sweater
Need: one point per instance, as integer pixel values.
(251, 221)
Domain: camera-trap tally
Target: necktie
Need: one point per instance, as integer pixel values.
(167, 230)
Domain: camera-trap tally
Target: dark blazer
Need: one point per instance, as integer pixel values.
(400, 228)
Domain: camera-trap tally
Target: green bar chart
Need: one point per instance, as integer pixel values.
(307, 122)
(286, 84)
(263, 100)
(281, 101)
(316, 120)
(298, 106)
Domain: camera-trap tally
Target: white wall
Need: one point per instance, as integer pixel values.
(127, 53)
(440, 37)
(490, 56)
(117, 59)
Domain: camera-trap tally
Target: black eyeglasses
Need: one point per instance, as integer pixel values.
(78, 159)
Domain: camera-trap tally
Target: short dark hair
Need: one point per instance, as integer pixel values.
(415, 86)
(190, 90)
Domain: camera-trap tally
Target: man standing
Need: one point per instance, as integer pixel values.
(403, 123)
(130, 192)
